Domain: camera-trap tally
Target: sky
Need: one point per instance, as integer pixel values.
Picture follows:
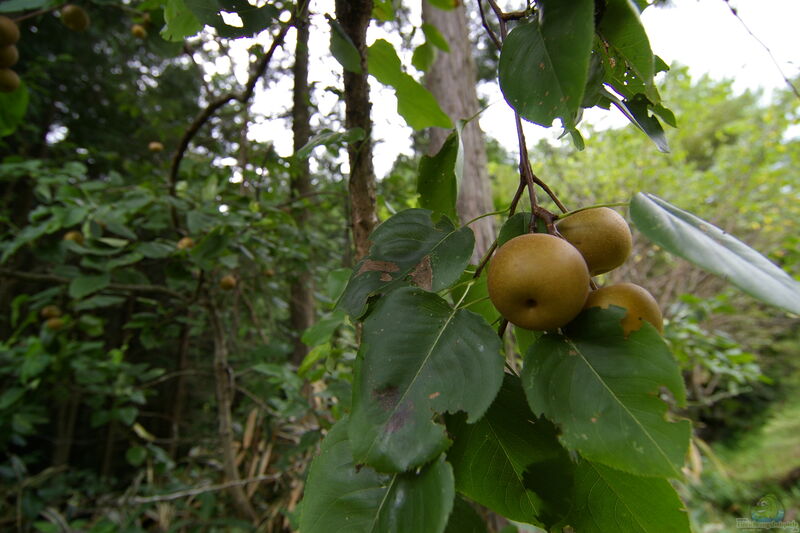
(702, 34)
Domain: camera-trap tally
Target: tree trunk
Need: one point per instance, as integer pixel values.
(301, 299)
(452, 80)
(225, 384)
(354, 17)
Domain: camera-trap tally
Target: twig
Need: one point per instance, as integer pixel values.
(52, 278)
(200, 490)
(769, 52)
(213, 106)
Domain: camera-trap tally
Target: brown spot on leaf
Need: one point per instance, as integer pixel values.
(434, 395)
(387, 398)
(384, 267)
(422, 275)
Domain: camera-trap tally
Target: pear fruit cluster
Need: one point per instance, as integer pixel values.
(9, 55)
(541, 282)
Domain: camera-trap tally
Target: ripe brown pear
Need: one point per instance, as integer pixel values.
(54, 323)
(74, 236)
(639, 304)
(601, 235)
(9, 80)
(9, 32)
(185, 243)
(138, 31)
(75, 17)
(227, 283)
(9, 55)
(50, 311)
(538, 281)
(155, 146)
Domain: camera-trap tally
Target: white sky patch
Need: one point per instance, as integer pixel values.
(701, 34)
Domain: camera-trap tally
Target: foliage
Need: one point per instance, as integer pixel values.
(157, 388)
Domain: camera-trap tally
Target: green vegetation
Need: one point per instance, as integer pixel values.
(156, 262)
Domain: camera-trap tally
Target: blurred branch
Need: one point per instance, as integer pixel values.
(52, 278)
(212, 107)
(199, 490)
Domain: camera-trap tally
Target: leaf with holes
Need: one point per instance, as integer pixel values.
(603, 391)
(544, 65)
(341, 497)
(419, 356)
(412, 247)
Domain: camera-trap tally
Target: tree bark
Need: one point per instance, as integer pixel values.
(354, 17)
(452, 80)
(301, 299)
(224, 380)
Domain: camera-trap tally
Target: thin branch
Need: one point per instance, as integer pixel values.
(763, 45)
(127, 287)
(488, 28)
(200, 490)
(204, 115)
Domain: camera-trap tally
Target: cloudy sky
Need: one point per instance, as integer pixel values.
(702, 34)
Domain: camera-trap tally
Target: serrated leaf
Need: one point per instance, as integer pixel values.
(705, 245)
(411, 247)
(606, 500)
(415, 103)
(437, 180)
(342, 47)
(602, 390)
(493, 457)
(544, 65)
(86, 285)
(418, 356)
(624, 34)
(340, 497)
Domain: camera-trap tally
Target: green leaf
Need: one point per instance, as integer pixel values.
(606, 500)
(254, 19)
(418, 356)
(12, 6)
(328, 137)
(477, 299)
(685, 235)
(86, 285)
(423, 57)
(433, 36)
(411, 247)
(135, 455)
(383, 10)
(323, 330)
(464, 519)
(544, 65)
(13, 106)
(447, 5)
(155, 250)
(437, 181)
(99, 301)
(603, 391)
(492, 458)
(180, 21)
(624, 34)
(342, 47)
(637, 111)
(210, 248)
(343, 498)
(414, 102)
